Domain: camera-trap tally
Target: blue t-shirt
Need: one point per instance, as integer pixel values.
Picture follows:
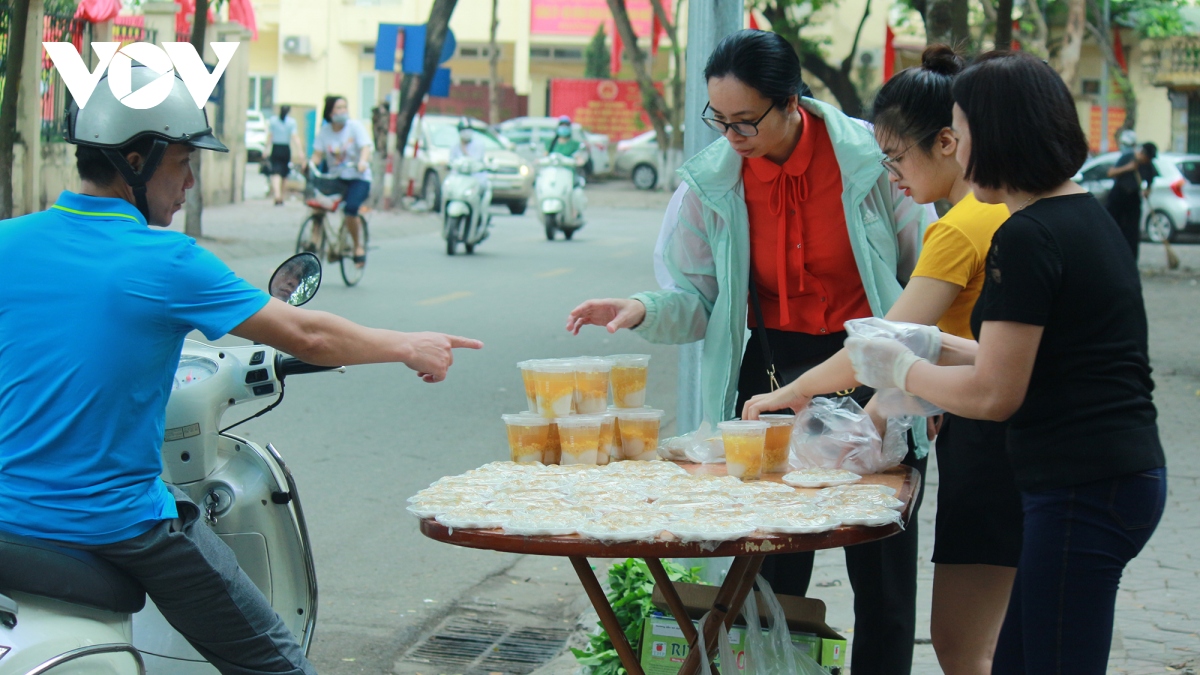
(95, 306)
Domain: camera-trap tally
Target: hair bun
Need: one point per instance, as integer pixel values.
(942, 59)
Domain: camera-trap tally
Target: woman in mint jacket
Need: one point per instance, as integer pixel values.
(798, 188)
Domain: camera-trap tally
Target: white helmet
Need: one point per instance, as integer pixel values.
(109, 125)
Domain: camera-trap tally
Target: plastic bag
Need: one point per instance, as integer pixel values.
(895, 403)
(838, 434)
(775, 654)
(703, 446)
(724, 649)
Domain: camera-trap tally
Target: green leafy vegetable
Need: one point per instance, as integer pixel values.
(630, 589)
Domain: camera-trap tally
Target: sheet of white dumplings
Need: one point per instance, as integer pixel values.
(643, 501)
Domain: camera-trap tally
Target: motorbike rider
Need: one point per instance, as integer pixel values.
(99, 302)
(471, 146)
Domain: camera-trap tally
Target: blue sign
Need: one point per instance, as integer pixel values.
(413, 60)
(441, 83)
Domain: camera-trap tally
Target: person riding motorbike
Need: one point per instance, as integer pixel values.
(100, 301)
(563, 144)
(471, 147)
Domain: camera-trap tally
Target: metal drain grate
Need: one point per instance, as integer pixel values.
(481, 647)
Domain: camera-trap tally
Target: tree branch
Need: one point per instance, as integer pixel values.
(848, 62)
(655, 104)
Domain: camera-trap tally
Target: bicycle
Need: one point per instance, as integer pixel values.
(322, 195)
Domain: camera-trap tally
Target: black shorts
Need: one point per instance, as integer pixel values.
(280, 156)
(978, 505)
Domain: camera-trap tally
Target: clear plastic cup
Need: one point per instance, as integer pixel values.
(591, 385)
(554, 382)
(639, 433)
(779, 437)
(580, 438)
(629, 379)
(528, 437)
(607, 452)
(530, 384)
(615, 453)
(744, 443)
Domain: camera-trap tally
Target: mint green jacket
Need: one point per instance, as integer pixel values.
(702, 260)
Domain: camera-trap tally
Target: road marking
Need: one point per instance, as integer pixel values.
(555, 273)
(457, 295)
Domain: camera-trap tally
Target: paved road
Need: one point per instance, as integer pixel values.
(361, 443)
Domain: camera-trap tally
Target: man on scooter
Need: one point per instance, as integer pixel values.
(471, 147)
(97, 307)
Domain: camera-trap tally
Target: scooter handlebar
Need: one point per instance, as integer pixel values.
(293, 366)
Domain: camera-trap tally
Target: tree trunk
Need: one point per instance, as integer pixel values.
(18, 23)
(415, 88)
(836, 79)
(194, 207)
(1004, 35)
(494, 67)
(1068, 59)
(674, 154)
(1036, 43)
(653, 101)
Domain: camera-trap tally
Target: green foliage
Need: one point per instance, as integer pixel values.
(60, 7)
(630, 589)
(596, 55)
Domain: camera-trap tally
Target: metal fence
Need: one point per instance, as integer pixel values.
(132, 29)
(55, 96)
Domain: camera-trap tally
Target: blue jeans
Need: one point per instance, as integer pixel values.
(1077, 542)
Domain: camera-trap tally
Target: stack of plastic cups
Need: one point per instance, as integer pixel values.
(744, 444)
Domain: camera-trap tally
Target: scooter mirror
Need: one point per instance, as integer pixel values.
(297, 279)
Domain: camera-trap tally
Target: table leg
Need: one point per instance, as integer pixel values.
(673, 602)
(739, 581)
(609, 620)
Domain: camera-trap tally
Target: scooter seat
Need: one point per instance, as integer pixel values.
(38, 567)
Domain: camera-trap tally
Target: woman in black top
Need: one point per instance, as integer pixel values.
(1062, 354)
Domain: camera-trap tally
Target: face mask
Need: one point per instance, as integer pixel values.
(564, 132)
(340, 119)
(465, 136)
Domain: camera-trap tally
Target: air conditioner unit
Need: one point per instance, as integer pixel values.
(297, 45)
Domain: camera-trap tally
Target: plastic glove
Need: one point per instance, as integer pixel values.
(924, 341)
(881, 363)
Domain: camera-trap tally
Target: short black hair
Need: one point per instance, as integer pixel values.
(1150, 150)
(763, 61)
(1025, 133)
(330, 101)
(283, 111)
(918, 102)
(95, 168)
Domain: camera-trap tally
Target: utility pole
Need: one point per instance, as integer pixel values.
(1105, 26)
(708, 22)
(494, 69)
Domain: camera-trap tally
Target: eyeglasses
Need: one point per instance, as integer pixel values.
(739, 128)
(890, 163)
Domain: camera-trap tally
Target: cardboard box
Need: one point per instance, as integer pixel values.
(664, 648)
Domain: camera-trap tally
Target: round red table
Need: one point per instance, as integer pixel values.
(748, 554)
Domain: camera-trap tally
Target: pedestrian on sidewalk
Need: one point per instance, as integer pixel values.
(1062, 355)
(978, 527)
(1133, 175)
(282, 136)
(792, 211)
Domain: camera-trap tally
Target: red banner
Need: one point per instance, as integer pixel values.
(612, 107)
(580, 17)
(1116, 118)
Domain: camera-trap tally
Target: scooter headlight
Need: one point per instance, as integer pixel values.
(524, 169)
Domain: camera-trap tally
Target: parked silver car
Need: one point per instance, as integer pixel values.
(1174, 195)
(510, 175)
(256, 135)
(530, 135)
(637, 158)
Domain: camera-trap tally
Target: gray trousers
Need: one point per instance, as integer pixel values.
(194, 579)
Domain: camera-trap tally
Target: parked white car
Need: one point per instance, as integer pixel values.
(530, 135)
(637, 158)
(256, 135)
(1174, 195)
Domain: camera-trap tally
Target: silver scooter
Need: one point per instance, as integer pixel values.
(465, 211)
(68, 611)
(559, 191)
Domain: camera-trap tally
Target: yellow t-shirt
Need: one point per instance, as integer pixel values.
(955, 250)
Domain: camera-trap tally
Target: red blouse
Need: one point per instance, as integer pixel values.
(801, 260)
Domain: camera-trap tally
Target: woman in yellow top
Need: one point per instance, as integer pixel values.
(978, 528)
